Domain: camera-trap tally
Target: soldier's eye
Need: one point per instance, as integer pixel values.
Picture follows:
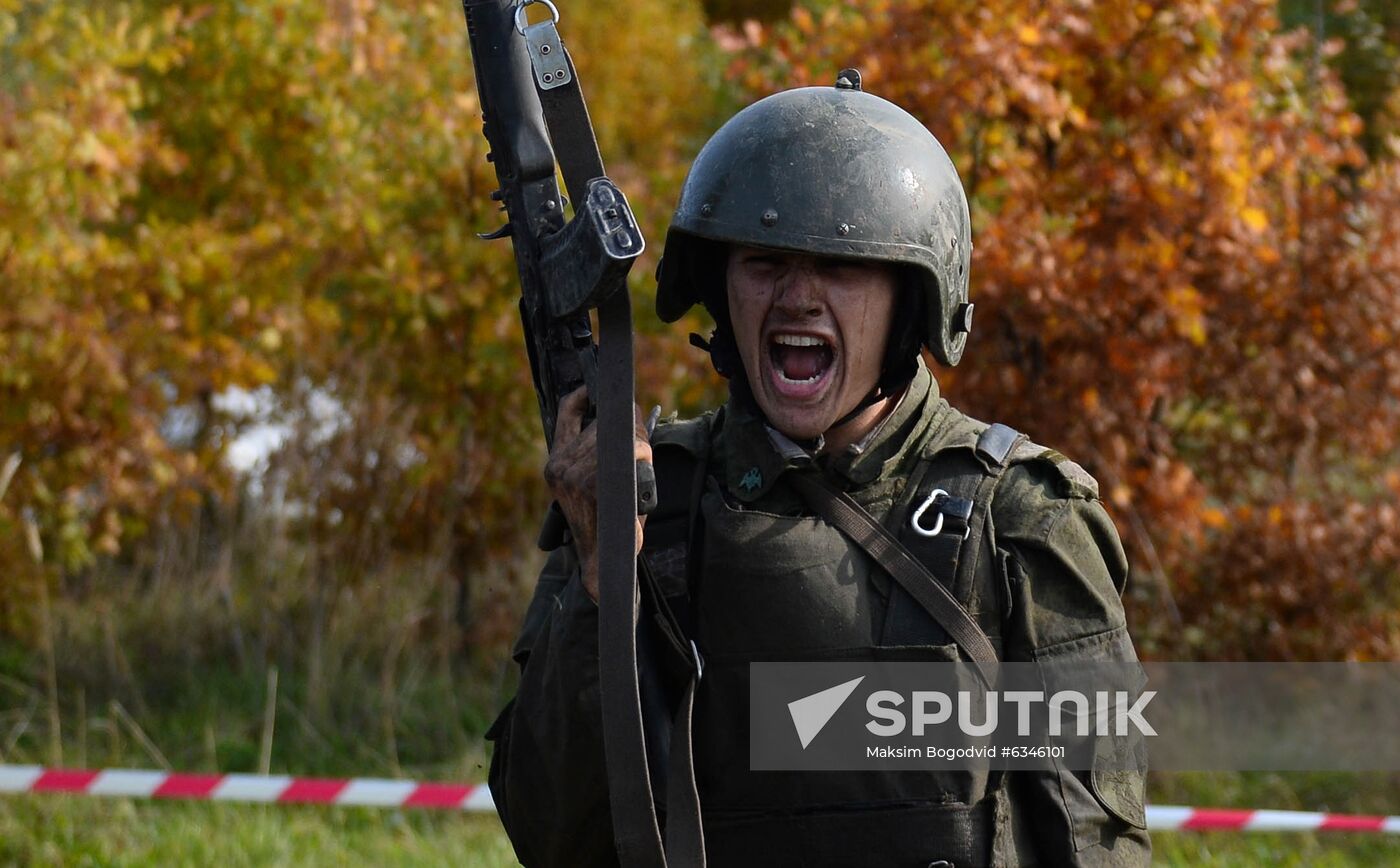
(761, 262)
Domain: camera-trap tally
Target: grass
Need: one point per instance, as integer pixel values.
(171, 666)
(1273, 849)
(174, 673)
(71, 830)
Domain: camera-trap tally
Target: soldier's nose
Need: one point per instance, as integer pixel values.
(798, 293)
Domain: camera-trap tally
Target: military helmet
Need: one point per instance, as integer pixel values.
(831, 172)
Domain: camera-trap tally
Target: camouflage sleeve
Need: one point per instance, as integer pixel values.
(547, 771)
(1065, 571)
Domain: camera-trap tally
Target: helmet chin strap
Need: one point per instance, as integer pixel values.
(882, 391)
(874, 396)
(899, 369)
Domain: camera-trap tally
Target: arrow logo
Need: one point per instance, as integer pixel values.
(811, 713)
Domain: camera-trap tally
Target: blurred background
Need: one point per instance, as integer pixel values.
(269, 453)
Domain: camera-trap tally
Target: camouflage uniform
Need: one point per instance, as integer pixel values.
(768, 580)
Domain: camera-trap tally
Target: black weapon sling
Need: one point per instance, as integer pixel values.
(635, 828)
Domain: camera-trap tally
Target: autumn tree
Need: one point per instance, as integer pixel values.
(1188, 277)
(1185, 273)
(1360, 41)
(284, 197)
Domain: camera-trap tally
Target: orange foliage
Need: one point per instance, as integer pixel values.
(1187, 272)
(201, 195)
(1188, 277)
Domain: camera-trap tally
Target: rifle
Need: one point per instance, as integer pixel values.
(531, 103)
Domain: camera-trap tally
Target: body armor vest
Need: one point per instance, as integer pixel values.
(751, 586)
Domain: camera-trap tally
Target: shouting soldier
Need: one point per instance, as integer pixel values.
(826, 231)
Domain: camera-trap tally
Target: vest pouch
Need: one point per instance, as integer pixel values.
(947, 497)
(906, 621)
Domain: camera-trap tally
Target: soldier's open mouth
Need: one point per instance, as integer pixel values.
(799, 360)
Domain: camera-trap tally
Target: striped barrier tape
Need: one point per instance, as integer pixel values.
(386, 793)
(1170, 818)
(131, 783)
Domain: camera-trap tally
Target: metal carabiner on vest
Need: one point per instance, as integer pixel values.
(943, 500)
(919, 513)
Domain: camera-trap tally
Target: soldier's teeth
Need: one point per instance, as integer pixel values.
(798, 341)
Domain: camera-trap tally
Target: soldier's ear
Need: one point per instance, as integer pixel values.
(724, 353)
(709, 267)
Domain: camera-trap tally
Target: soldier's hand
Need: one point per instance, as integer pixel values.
(572, 476)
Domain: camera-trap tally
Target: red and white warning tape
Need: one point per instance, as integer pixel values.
(384, 793)
(1170, 818)
(371, 792)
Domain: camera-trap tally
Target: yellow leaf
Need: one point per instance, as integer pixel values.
(802, 19)
(163, 473)
(1121, 495)
(1214, 518)
(1255, 219)
(92, 152)
(1185, 304)
(261, 372)
(1028, 35)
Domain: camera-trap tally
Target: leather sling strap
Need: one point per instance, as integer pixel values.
(685, 837)
(635, 829)
(570, 129)
(848, 517)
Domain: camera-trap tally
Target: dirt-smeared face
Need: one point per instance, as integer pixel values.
(811, 332)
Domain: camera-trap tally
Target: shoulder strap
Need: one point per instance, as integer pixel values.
(680, 452)
(994, 448)
(848, 517)
(944, 520)
(996, 443)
